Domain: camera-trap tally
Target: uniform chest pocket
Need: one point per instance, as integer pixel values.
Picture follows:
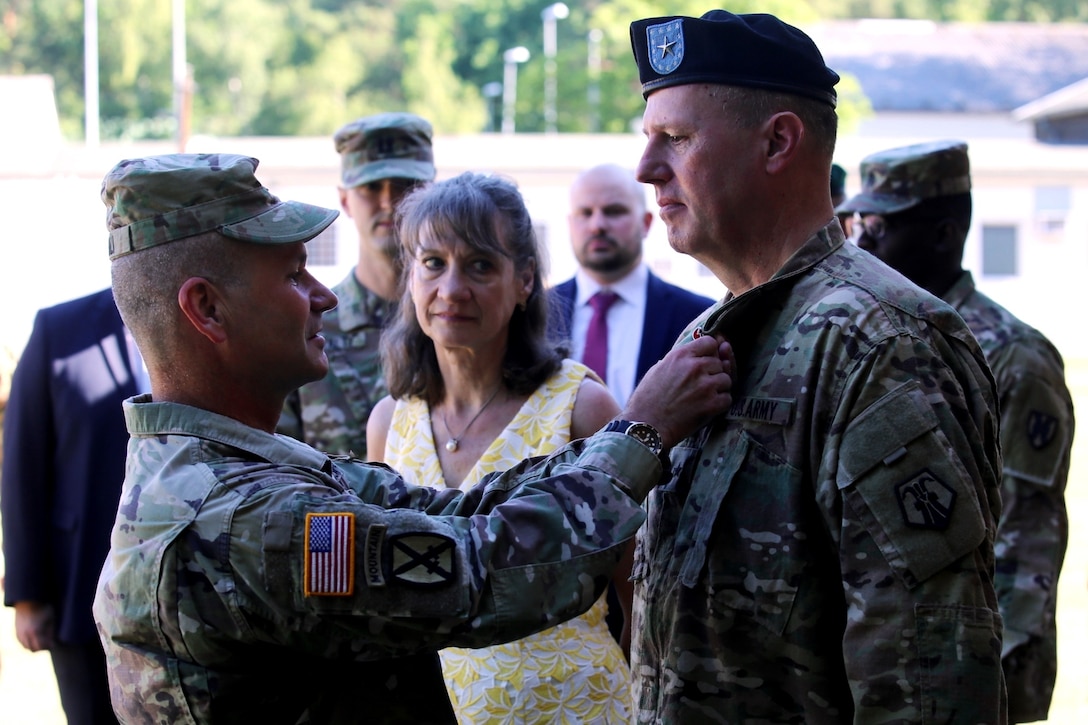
(654, 542)
(730, 525)
(754, 548)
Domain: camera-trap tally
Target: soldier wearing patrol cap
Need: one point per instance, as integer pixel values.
(254, 579)
(838, 196)
(914, 211)
(382, 158)
(824, 552)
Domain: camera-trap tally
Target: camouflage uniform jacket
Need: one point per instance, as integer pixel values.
(330, 414)
(1036, 437)
(823, 552)
(247, 569)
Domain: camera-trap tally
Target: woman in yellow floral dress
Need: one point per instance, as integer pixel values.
(476, 387)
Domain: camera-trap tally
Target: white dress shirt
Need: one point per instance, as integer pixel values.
(625, 318)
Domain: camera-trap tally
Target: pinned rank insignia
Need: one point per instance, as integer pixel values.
(1042, 427)
(926, 501)
(665, 45)
(421, 560)
(329, 554)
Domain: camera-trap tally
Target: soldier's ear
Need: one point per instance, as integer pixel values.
(946, 236)
(201, 303)
(782, 134)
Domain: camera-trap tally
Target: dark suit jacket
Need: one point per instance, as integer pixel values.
(669, 309)
(65, 442)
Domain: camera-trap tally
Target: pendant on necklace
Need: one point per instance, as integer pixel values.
(452, 445)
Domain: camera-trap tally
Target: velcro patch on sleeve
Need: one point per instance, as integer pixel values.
(329, 554)
(421, 559)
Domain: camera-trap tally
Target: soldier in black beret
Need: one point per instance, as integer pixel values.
(824, 553)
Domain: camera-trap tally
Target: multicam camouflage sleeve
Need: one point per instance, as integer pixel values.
(523, 551)
(241, 559)
(916, 478)
(1036, 437)
(1037, 426)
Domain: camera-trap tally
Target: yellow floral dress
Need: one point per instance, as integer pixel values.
(572, 673)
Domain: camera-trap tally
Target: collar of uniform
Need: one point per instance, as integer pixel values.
(744, 309)
(358, 306)
(961, 290)
(144, 417)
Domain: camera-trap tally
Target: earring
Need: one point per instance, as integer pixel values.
(522, 306)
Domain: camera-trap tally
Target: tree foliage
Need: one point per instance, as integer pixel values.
(303, 67)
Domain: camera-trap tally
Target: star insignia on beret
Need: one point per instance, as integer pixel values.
(665, 46)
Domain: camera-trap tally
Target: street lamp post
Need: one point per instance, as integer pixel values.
(181, 74)
(90, 73)
(550, 14)
(510, 59)
(593, 92)
(492, 91)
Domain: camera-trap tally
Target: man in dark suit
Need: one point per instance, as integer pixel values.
(64, 461)
(608, 223)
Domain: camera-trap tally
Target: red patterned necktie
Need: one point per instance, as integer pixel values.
(596, 352)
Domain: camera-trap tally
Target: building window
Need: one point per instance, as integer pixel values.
(1051, 207)
(999, 251)
(1052, 199)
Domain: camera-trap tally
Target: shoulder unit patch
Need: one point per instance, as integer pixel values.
(926, 501)
(421, 560)
(1042, 427)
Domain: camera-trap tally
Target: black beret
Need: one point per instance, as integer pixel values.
(755, 50)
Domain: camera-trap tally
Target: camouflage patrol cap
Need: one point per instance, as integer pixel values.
(385, 146)
(838, 180)
(898, 179)
(754, 50)
(159, 199)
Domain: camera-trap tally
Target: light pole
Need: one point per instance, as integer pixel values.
(491, 91)
(593, 93)
(90, 73)
(510, 60)
(550, 14)
(181, 74)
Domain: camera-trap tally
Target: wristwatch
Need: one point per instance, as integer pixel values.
(644, 433)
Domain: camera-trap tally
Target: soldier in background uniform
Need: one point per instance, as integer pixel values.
(823, 553)
(915, 210)
(838, 196)
(382, 158)
(252, 578)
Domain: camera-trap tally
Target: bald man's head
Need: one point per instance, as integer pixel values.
(608, 221)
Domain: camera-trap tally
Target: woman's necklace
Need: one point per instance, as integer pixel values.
(455, 440)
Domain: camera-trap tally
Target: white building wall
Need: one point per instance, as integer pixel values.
(52, 220)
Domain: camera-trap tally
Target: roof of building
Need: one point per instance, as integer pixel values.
(922, 65)
(1068, 101)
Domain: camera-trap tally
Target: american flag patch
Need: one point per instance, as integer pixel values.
(330, 554)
